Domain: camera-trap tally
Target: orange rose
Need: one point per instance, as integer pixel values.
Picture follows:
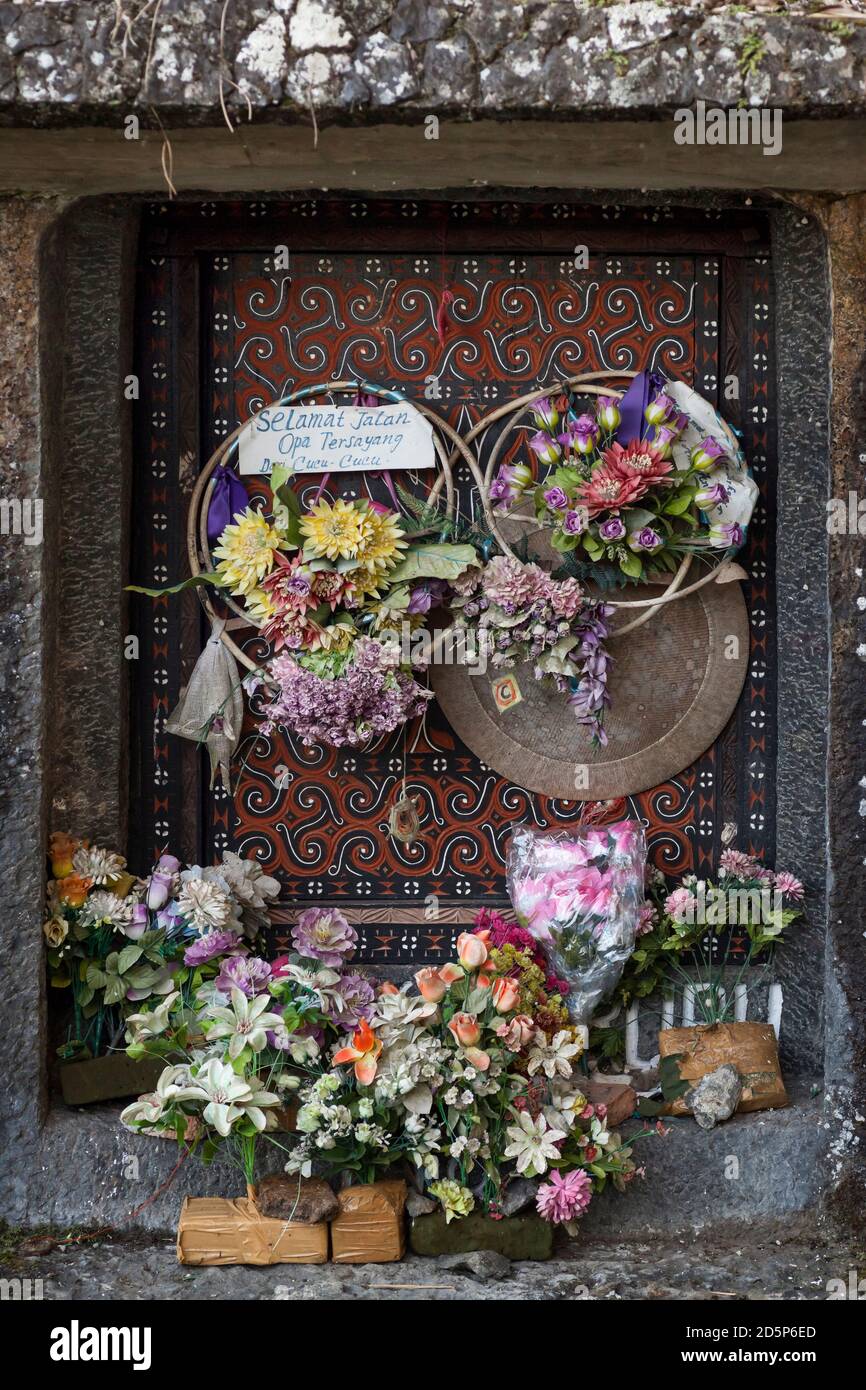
(430, 984)
(465, 1029)
(61, 849)
(451, 973)
(72, 890)
(388, 987)
(506, 995)
(476, 1058)
(472, 949)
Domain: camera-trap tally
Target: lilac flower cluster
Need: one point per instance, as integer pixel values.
(526, 615)
(359, 705)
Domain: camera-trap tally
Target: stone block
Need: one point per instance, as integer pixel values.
(516, 1237)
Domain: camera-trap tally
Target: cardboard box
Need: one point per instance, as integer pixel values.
(750, 1047)
(231, 1231)
(370, 1228)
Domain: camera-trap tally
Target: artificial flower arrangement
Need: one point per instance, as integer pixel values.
(677, 945)
(474, 1076)
(470, 1075)
(238, 1042)
(626, 489)
(118, 942)
(330, 587)
(525, 615)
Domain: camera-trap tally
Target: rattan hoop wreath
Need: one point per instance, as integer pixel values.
(198, 546)
(589, 384)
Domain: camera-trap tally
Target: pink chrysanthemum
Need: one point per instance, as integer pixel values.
(789, 886)
(737, 864)
(565, 1196)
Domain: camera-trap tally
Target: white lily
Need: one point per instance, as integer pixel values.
(140, 1027)
(228, 1097)
(533, 1142)
(246, 1023)
(150, 1109)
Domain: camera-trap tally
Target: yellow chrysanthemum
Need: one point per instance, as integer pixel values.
(333, 532)
(260, 605)
(246, 551)
(383, 541)
(335, 638)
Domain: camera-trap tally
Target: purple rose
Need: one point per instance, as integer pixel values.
(139, 924)
(712, 496)
(612, 530)
(425, 595)
(707, 454)
(556, 498)
(645, 539)
(658, 409)
(573, 523)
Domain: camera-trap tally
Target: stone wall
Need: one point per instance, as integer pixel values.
(358, 59)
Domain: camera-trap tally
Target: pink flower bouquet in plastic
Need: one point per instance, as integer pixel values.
(580, 894)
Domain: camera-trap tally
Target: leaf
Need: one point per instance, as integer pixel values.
(444, 561)
(680, 502)
(670, 1080)
(96, 978)
(564, 543)
(114, 990)
(128, 956)
(218, 581)
(631, 565)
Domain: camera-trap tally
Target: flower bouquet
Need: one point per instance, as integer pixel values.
(235, 1046)
(627, 491)
(117, 942)
(331, 588)
(678, 945)
(581, 896)
(472, 1076)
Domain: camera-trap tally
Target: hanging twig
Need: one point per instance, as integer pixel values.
(166, 155)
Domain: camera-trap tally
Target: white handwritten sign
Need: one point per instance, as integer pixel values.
(337, 439)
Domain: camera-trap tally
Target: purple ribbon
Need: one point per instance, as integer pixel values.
(633, 423)
(229, 497)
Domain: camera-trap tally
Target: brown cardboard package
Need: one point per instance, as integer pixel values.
(370, 1228)
(231, 1231)
(750, 1047)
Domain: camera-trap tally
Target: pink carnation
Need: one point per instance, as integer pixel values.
(679, 904)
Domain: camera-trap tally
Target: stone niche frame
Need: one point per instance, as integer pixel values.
(67, 289)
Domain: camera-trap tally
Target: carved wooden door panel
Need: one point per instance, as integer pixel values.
(368, 291)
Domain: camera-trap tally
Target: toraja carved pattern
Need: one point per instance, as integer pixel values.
(366, 305)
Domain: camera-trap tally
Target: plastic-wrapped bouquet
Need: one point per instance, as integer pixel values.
(581, 896)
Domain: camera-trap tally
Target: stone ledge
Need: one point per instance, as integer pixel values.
(93, 60)
(85, 1170)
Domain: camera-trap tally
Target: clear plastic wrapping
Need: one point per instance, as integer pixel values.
(580, 894)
